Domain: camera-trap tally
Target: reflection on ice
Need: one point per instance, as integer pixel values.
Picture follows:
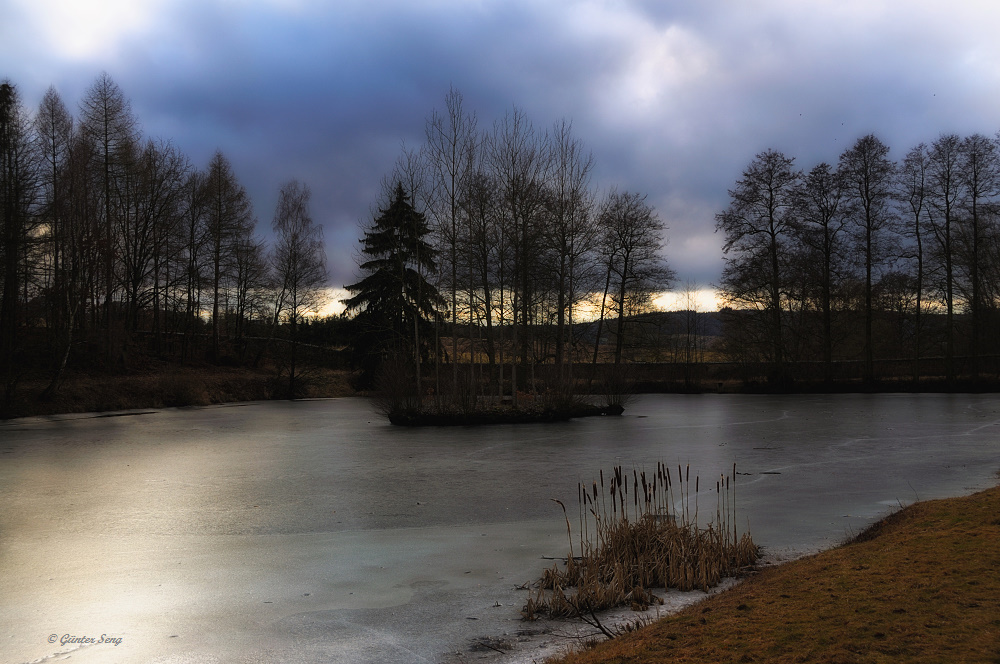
(312, 531)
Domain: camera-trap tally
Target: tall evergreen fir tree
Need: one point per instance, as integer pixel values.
(394, 301)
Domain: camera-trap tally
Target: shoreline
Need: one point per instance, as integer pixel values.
(167, 386)
(164, 384)
(559, 639)
(543, 639)
(885, 593)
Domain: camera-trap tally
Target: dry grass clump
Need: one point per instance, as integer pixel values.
(640, 535)
(921, 586)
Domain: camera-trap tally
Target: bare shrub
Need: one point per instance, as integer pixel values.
(183, 390)
(618, 385)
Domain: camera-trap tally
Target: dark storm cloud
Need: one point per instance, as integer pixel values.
(331, 99)
(673, 98)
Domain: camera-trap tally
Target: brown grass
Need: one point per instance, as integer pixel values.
(920, 586)
(634, 537)
(165, 386)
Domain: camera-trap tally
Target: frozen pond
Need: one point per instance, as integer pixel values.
(315, 532)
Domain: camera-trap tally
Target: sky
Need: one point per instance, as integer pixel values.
(672, 97)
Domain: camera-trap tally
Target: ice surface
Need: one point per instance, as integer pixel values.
(314, 532)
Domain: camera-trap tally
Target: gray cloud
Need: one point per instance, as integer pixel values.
(673, 98)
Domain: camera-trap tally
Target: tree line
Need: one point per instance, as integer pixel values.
(483, 249)
(866, 260)
(111, 238)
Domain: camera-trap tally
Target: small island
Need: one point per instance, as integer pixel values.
(408, 398)
(417, 418)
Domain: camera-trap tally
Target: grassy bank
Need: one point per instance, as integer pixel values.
(922, 585)
(166, 385)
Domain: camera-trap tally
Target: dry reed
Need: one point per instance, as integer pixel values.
(638, 534)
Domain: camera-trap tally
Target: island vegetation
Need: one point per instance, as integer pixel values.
(479, 260)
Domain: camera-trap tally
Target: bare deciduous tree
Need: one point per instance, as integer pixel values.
(632, 237)
(451, 146)
(18, 191)
(944, 195)
(980, 174)
(758, 226)
(819, 224)
(54, 134)
(109, 125)
(570, 231)
(299, 264)
(228, 221)
(519, 160)
(868, 180)
(912, 192)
